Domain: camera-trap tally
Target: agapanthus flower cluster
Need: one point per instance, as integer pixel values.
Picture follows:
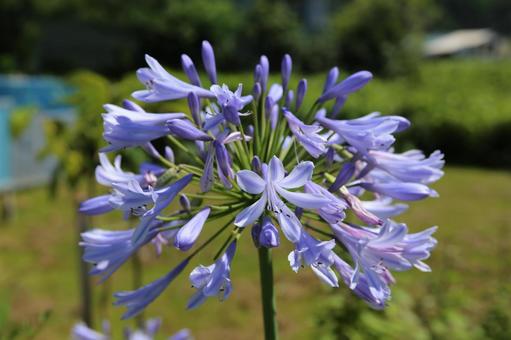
(81, 331)
(260, 157)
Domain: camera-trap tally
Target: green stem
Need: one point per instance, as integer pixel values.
(268, 294)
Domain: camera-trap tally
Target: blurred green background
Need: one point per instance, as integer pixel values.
(459, 101)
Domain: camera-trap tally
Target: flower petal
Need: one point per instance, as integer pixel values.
(303, 200)
(250, 182)
(276, 169)
(250, 214)
(300, 175)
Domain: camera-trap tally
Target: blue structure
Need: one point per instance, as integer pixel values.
(19, 166)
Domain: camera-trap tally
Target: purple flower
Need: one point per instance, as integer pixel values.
(194, 105)
(410, 166)
(230, 103)
(349, 85)
(165, 196)
(316, 254)
(375, 252)
(185, 129)
(188, 234)
(375, 296)
(213, 280)
(208, 59)
(307, 135)
(383, 207)
(96, 206)
(108, 250)
(163, 86)
(333, 211)
(137, 300)
(124, 128)
(370, 132)
(275, 182)
(400, 190)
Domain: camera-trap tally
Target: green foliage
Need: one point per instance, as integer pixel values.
(20, 119)
(348, 317)
(380, 35)
(461, 107)
(75, 145)
(10, 330)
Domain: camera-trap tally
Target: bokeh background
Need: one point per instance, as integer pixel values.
(445, 64)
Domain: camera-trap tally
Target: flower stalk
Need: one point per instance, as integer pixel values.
(268, 294)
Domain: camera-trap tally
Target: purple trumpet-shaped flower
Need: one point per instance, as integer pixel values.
(411, 166)
(190, 70)
(124, 128)
(383, 207)
(400, 190)
(316, 254)
(108, 250)
(108, 173)
(375, 296)
(189, 233)
(165, 196)
(307, 135)
(137, 300)
(230, 103)
(185, 129)
(375, 252)
(213, 280)
(285, 70)
(370, 132)
(274, 184)
(208, 59)
(333, 211)
(96, 205)
(349, 85)
(163, 86)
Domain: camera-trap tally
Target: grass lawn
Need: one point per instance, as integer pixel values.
(39, 269)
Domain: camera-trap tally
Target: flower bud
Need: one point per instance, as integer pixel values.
(286, 68)
(300, 93)
(256, 164)
(289, 98)
(331, 78)
(184, 202)
(256, 91)
(169, 154)
(194, 105)
(190, 70)
(189, 233)
(343, 176)
(186, 130)
(208, 59)
(269, 235)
